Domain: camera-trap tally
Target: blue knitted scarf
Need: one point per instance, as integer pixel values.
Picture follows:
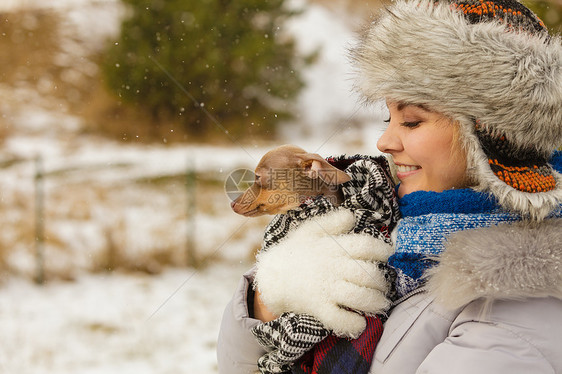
(430, 217)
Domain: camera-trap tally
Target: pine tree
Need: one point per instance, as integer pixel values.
(189, 60)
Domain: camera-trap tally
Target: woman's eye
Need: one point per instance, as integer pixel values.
(387, 120)
(411, 125)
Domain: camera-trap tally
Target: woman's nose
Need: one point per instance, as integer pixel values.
(389, 141)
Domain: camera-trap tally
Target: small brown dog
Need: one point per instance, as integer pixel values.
(285, 177)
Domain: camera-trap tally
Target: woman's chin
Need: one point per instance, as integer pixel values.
(407, 188)
(402, 191)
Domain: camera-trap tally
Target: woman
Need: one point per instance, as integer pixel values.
(474, 91)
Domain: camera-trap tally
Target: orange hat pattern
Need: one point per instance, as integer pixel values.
(514, 14)
(524, 170)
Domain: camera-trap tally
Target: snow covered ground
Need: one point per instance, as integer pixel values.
(108, 203)
(116, 323)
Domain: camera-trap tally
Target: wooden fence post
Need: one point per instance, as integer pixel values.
(191, 188)
(39, 221)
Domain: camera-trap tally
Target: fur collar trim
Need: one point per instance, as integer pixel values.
(509, 261)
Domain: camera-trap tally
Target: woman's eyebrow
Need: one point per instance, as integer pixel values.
(401, 106)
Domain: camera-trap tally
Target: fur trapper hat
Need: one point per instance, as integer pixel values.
(491, 67)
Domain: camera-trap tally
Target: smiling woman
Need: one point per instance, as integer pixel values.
(422, 145)
(474, 273)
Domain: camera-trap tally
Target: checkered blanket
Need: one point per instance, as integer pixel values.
(298, 343)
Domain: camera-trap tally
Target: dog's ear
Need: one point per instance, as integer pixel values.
(317, 167)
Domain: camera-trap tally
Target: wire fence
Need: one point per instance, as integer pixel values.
(99, 216)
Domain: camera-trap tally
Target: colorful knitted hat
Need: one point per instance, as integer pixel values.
(488, 65)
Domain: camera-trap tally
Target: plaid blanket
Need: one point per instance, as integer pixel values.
(342, 356)
(298, 343)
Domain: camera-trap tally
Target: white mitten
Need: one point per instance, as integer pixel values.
(322, 270)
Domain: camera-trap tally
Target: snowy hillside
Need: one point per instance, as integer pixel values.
(109, 205)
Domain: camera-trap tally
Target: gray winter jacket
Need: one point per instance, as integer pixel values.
(492, 305)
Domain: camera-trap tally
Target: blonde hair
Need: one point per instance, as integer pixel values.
(458, 146)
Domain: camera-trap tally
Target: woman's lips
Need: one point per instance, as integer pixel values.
(403, 171)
